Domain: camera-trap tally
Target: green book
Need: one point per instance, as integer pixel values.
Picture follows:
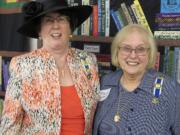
(1, 107)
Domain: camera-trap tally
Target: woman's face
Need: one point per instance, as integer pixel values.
(133, 54)
(55, 31)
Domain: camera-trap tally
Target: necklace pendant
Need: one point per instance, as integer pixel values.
(117, 117)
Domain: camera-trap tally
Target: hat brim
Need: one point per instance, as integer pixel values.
(77, 14)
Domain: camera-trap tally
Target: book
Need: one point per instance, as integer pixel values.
(167, 34)
(5, 72)
(116, 19)
(103, 18)
(172, 24)
(123, 20)
(99, 17)
(170, 6)
(167, 15)
(131, 13)
(140, 13)
(126, 13)
(1, 107)
(167, 19)
(95, 20)
(107, 17)
(103, 57)
(85, 26)
(0, 73)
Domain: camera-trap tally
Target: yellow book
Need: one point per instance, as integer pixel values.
(11, 1)
(141, 15)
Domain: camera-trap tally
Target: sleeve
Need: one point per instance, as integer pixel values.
(12, 112)
(176, 128)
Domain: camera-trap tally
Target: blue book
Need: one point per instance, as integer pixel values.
(170, 6)
(5, 70)
(115, 18)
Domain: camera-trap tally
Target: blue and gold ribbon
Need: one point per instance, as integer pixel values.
(157, 89)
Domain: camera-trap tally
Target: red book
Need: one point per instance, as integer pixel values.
(95, 20)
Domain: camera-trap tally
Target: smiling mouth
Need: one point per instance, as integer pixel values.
(132, 63)
(56, 35)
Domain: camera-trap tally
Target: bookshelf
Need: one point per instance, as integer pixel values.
(90, 39)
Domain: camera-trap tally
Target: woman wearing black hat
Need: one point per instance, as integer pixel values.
(52, 90)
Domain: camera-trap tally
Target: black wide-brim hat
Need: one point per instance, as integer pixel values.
(34, 10)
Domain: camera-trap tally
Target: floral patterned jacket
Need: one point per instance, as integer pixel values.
(33, 98)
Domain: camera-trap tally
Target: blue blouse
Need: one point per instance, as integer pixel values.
(139, 115)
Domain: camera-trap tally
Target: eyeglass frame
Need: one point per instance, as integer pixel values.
(130, 50)
(59, 19)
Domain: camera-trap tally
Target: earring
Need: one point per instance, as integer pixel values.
(70, 36)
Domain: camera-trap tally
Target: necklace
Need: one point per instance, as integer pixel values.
(63, 70)
(117, 116)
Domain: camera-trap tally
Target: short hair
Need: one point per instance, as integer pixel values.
(147, 38)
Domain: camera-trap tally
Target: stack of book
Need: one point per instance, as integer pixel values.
(168, 20)
(168, 26)
(129, 12)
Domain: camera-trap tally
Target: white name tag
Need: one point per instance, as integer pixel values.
(104, 94)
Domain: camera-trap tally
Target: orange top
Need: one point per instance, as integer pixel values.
(72, 112)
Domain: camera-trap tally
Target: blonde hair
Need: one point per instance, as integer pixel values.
(147, 38)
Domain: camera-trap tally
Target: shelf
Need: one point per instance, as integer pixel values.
(168, 42)
(92, 39)
(2, 93)
(10, 53)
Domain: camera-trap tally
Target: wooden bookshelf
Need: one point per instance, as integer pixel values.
(168, 42)
(91, 39)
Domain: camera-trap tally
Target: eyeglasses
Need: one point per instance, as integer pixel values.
(59, 19)
(140, 51)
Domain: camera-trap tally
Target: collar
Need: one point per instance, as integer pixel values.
(147, 82)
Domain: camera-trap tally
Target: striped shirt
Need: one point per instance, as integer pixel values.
(139, 115)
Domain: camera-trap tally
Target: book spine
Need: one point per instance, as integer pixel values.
(0, 73)
(107, 17)
(168, 29)
(119, 18)
(131, 13)
(115, 18)
(133, 7)
(95, 20)
(85, 25)
(103, 57)
(167, 34)
(126, 12)
(122, 16)
(5, 74)
(167, 20)
(1, 107)
(99, 17)
(141, 15)
(103, 18)
(167, 15)
(170, 6)
(77, 31)
(173, 24)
